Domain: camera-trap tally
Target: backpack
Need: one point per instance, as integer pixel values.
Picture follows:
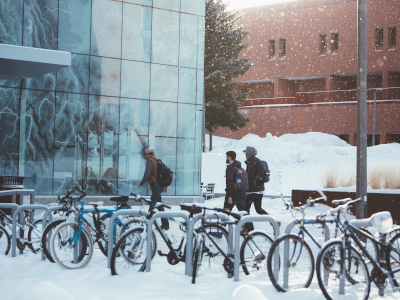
(164, 174)
(242, 180)
(262, 173)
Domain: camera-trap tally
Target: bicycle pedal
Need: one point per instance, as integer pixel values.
(161, 254)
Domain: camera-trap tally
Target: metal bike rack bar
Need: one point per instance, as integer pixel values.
(129, 212)
(150, 230)
(14, 224)
(189, 241)
(242, 221)
(47, 219)
(288, 230)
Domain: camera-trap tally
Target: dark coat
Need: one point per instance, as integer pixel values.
(231, 171)
(251, 169)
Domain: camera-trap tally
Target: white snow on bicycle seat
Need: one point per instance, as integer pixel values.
(381, 221)
(242, 213)
(99, 203)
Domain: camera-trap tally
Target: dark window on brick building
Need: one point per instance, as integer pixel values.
(282, 47)
(378, 37)
(271, 48)
(322, 43)
(334, 41)
(392, 36)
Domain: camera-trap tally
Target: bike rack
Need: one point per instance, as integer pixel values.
(48, 215)
(14, 224)
(242, 221)
(150, 230)
(130, 212)
(288, 229)
(189, 241)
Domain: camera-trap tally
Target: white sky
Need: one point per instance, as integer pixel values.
(236, 4)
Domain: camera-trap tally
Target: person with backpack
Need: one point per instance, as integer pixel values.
(233, 195)
(151, 175)
(256, 183)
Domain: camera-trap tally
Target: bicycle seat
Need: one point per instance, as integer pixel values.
(99, 203)
(191, 208)
(381, 221)
(120, 199)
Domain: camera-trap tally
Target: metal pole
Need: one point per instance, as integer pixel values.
(373, 125)
(361, 181)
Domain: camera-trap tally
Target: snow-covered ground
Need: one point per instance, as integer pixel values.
(296, 161)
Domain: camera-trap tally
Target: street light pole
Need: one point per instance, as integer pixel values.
(361, 181)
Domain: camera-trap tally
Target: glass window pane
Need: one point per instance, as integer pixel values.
(40, 24)
(135, 81)
(144, 2)
(9, 133)
(37, 141)
(185, 167)
(165, 37)
(187, 85)
(11, 19)
(163, 119)
(133, 139)
(164, 83)
(102, 153)
(104, 76)
(200, 86)
(186, 115)
(194, 7)
(188, 41)
(198, 150)
(70, 141)
(201, 43)
(74, 26)
(168, 4)
(76, 78)
(136, 33)
(106, 28)
(44, 82)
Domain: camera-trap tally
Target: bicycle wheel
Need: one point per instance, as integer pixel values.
(130, 252)
(299, 262)
(197, 256)
(212, 256)
(5, 241)
(254, 252)
(103, 227)
(62, 249)
(46, 238)
(356, 279)
(393, 259)
(35, 236)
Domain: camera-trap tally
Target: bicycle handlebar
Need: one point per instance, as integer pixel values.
(344, 204)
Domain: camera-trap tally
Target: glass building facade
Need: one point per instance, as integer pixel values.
(136, 80)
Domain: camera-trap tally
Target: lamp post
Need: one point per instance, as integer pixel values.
(373, 126)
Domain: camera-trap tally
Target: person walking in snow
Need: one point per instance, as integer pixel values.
(233, 197)
(255, 192)
(150, 175)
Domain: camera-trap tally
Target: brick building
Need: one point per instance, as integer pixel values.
(304, 73)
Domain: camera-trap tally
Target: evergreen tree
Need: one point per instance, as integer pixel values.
(223, 40)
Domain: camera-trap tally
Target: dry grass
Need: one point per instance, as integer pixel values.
(347, 181)
(384, 177)
(330, 180)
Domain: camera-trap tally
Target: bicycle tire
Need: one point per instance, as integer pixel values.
(212, 257)
(254, 251)
(60, 250)
(46, 238)
(393, 258)
(103, 227)
(125, 258)
(300, 263)
(197, 256)
(357, 283)
(5, 241)
(33, 236)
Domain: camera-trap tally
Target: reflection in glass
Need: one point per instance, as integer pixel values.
(135, 81)
(187, 85)
(102, 153)
(164, 83)
(165, 37)
(185, 166)
(10, 22)
(200, 43)
(163, 119)
(76, 78)
(198, 150)
(188, 41)
(136, 33)
(200, 87)
(193, 7)
(74, 26)
(186, 116)
(44, 82)
(106, 28)
(105, 76)
(70, 141)
(168, 4)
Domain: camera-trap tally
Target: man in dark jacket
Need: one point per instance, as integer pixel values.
(256, 190)
(150, 175)
(233, 197)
